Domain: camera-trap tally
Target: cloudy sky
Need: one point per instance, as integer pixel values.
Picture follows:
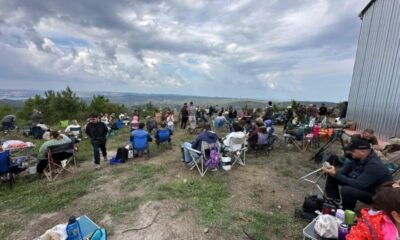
(276, 49)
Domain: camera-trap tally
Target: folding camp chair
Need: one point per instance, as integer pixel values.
(59, 158)
(163, 136)
(140, 144)
(199, 158)
(261, 144)
(5, 173)
(237, 148)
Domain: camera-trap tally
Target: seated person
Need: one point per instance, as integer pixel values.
(259, 131)
(383, 218)
(220, 120)
(268, 125)
(206, 135)
(8, 122)
(237, 133)
(55, 139)
(367, 135)
(140, 132)
(74, 129)
(163, 128)
(151, 124)
(359, 178)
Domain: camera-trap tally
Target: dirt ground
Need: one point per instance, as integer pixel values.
(267, 183)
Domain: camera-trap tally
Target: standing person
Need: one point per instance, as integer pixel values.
(343, 110)
(268, 113)
(210, 111)
(135, 120)
(170, 121)
(97, 132)
(36, 117)
(184, 115)
(192, 116)
(288, 117)
(322, 111)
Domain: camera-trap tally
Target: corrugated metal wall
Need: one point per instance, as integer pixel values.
(374, 99)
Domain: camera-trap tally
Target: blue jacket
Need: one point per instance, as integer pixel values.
(207, 136)
(140, 132)
(365, 174)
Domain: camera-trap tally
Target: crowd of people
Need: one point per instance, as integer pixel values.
(363, 176)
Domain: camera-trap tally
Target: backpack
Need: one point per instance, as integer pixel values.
(311, 204)
(122, 154)
(213, 161)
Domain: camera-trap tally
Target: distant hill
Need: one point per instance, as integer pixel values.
(16, 98)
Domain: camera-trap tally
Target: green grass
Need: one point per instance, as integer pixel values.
(8, 226)
(271, 225)
(38, 196)
(141, 173)
(208, 197)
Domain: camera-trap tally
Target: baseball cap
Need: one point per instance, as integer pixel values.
(358, 144)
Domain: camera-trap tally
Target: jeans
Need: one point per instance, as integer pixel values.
(96, 153)
(349, 194)
(186, 155)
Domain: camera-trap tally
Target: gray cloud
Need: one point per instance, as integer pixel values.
(263, 49)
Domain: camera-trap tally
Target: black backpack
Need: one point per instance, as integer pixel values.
(122, 154)
(37, 132)
(310, 205)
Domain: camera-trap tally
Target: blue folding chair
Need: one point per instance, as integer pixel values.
(5, 172)
(140, 144)
(163, 136)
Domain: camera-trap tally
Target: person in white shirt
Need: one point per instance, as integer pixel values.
(74, 129)
(237, 133)
(170, 121)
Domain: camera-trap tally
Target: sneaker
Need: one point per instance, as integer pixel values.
(105, 158)
(97, 166)
(190, 164)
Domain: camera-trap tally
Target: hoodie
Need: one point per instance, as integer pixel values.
(97, 132)
(207, 136)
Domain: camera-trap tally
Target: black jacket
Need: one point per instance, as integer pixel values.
(365, 174)
(97, 132)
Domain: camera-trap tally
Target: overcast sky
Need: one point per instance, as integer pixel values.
(276, 49)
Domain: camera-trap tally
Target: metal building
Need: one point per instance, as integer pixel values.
(374, 99)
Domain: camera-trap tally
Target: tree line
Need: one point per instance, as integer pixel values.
(62, 105)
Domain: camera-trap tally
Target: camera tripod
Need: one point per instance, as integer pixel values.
(337, 136)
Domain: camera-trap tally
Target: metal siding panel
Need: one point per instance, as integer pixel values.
(374, 95)
(380, 66)
(359, 67)
(389, 87)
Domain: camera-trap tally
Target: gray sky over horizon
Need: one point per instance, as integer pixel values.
(280, 50)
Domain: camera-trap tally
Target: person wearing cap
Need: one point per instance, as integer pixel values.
(367, 135)
(359, 178)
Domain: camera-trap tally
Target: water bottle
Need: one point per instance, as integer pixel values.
(73, 229)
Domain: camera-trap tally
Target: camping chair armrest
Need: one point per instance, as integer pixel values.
(194, 150)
